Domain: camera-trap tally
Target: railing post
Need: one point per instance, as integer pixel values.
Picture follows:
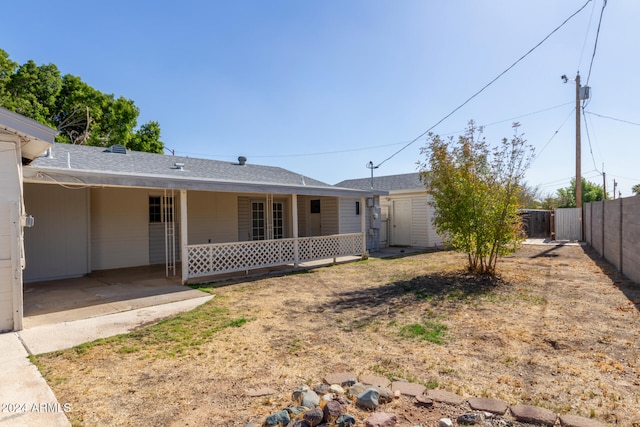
(363, 225)
(294, 228)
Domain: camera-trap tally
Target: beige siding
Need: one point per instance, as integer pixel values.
(419, 221)
(119, 228)
(57, 246)
(433, 238)
(303, 212)
(349, 221)
(213, 217)
(329, 215)
(244, 219)
(10, 195)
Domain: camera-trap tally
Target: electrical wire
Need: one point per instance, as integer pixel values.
(613, 118)
(595, 45)
(537, 155)
(586, 36)
(589, 139)
(485, 86)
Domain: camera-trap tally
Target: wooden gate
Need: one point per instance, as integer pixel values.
(536, 223)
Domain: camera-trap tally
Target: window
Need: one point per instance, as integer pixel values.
(357, 208)
(258, 220)
(315, 206)
(159, 211)
(278, 221)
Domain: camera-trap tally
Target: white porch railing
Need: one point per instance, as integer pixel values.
(218, 258)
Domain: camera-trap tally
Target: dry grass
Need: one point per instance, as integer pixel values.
(558, 330)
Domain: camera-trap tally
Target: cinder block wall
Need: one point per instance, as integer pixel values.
(614, 232)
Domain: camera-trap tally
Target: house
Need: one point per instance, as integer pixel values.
(21, 141)
(406, 212)
(97, 208)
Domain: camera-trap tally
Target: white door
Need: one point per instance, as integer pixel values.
(401, 223)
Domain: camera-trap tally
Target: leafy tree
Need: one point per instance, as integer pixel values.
(529, 196)
(590, 193)
(636, 189)
(475, 194)
(82, 114)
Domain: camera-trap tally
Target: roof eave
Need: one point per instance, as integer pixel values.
(35, 174)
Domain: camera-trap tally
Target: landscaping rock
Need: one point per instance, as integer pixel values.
(575, 421)
(490, 405)
(445, 422)
(259, 392)
(278, 418)
(445, 397)
(468, 419)
(336, 389)
(314, 417)
(340, 378)
(356, 389)
(321, 389)
(332, 411)
(408, 389)
(424, 401)
(295, 410)
(345, 420)
(381, 419)
(369, 399)
(533, 414)
(386, 395)
(375, 381)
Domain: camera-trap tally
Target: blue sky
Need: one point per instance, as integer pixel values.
(324, 87)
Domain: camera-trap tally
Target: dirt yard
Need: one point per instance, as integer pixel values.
(560, 330)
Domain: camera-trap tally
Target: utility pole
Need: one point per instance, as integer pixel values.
(604, 182)
(372, 167)
(578, 149)
(615, 185)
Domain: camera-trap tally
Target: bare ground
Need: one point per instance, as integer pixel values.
(560, 329)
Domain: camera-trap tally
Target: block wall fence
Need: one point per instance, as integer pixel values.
(612, 228)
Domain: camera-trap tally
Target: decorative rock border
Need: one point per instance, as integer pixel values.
(384, 389)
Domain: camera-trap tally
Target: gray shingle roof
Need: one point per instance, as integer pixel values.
(96, 163)
(99, 159)
(406, 181)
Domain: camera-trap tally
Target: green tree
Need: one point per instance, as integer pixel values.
(636, 189)
(82, 114)
(590, 193)
(475, 194)
(147, 138)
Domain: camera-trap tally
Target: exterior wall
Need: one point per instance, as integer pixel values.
(10, 200)
(57, 246)
(349, 221)
(614, 232)
(242, 206)
(119, 228)
(329, 216)
(421, 229)
(213, 217)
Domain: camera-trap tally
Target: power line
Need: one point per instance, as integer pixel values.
(613, 118)
(589, 139)
(486, 86)
(554, 135)
(595, 45)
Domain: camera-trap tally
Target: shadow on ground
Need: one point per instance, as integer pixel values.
(437, 287)
(629, 288)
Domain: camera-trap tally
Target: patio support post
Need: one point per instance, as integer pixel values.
(363, 223)
(16, 265)
(184, 254)
(294, 230)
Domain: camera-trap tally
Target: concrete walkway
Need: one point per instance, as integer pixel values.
(25, 397)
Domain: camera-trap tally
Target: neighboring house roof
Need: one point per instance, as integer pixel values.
(406, 181)
(79, 164)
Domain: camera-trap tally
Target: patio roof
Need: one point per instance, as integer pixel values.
(85, 165)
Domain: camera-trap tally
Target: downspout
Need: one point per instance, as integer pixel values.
(184, 255)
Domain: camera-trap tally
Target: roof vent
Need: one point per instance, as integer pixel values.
(179, 166)
(242, 160)
(116, 148)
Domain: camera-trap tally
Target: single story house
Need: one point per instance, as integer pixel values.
(406, 211)
(96, 208)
